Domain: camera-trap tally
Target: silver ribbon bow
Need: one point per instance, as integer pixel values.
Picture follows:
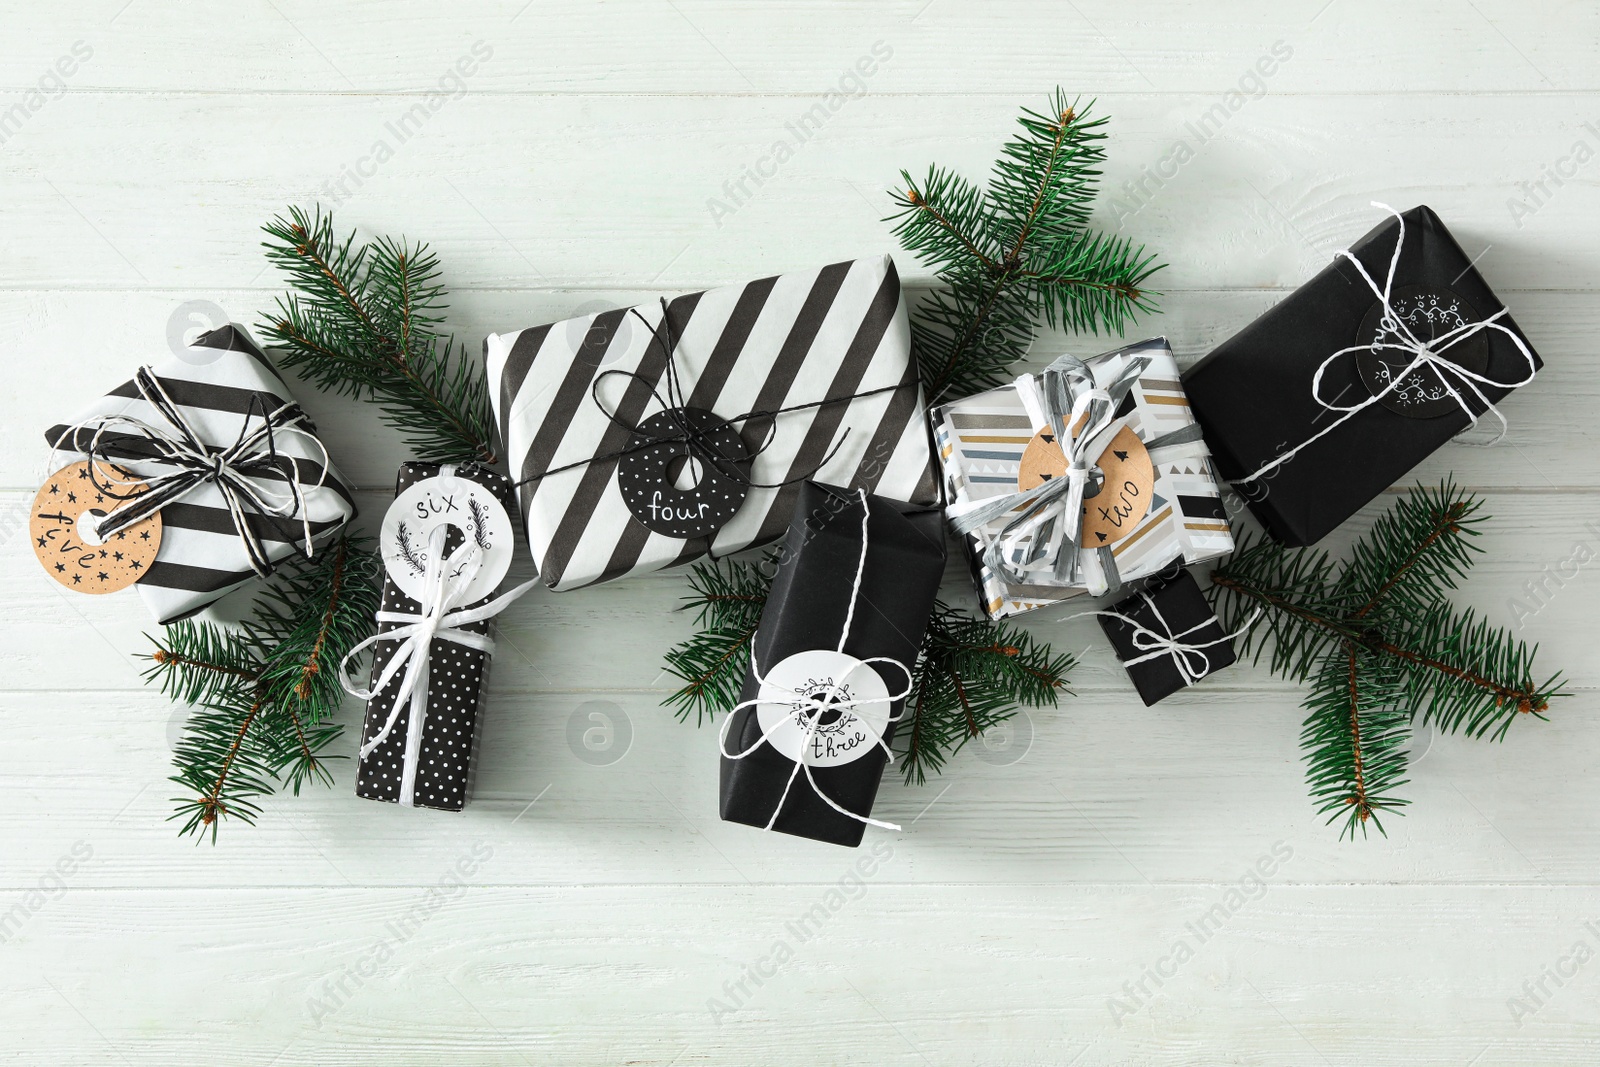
(1044, 530)
(445, 587)
(1457, 379)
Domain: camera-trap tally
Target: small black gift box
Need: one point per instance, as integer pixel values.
(430, 766)
(1169, 609)
(879, 601)
(1254, 397)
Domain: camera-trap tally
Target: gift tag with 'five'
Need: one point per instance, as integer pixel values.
(847, 727)
(1126, 486)
(65, 514)
(446, 500)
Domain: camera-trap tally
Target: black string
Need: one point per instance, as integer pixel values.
(698, 443)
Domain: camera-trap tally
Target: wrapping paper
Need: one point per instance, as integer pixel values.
(805, 610)
(981, 439)
(792, 339)
(223, 382)
(1253, 393)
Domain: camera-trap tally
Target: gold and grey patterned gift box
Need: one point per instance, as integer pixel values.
(981, 441)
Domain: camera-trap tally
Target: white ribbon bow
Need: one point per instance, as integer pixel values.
(1156, 644)
(1456, 378)
(445, 587)
(814, 705)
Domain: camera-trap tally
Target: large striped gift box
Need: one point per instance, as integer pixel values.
(222, 383)
(981, 440)
(802, 338)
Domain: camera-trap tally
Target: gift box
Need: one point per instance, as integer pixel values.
(220, 525)
(997, 444)
(831, 663)
(802, 376)
(1311, 409)
(446, 544)
(1167, 636)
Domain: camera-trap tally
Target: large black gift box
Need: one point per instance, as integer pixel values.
(457, 674)
(1174, 606)
(806, 609)
(1253, 398)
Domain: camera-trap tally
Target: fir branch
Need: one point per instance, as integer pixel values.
(264, 694)
(1381, 644)
(1017, 251)
(362, 321)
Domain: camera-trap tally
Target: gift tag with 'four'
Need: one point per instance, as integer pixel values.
(446, 500)
(1127, 483)
(855, 715)
(673, 494)
(66, 511)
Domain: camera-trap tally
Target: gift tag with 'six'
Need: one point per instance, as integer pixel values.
(1126, 487)
(62, 525)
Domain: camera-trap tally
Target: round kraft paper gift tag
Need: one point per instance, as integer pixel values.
(677, 495)
(1428, 312)
(446, 500)
(1126, 483)
(847, 730)
(66, 511)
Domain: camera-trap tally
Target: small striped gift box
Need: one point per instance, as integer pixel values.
(569, 395)
(223, 385)
(981, 440)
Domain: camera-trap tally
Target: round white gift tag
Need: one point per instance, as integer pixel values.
(446, 500)
(848, 730)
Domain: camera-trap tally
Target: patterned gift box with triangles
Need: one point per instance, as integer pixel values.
(981, 440)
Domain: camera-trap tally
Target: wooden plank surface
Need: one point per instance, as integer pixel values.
(589, 907)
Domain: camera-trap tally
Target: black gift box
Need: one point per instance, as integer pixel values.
(457, 675)
(1178, 605)
(1252, 395)
(806, 609)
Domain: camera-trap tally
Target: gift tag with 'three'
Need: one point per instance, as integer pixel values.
(65, 513)
(847, 729)
(1127, 483)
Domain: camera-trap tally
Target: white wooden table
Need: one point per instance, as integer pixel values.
(1031, 912)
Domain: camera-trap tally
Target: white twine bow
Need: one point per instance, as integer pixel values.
(243, 472)
(834, 698)
(446, 585)
(1191, 659)
(1045, 529)
(1458, 380)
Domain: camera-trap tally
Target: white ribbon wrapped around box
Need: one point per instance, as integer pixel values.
(1020, 557)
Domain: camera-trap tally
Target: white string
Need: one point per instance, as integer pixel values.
(445, 586)
(834, 698)
(1155, 644)
(1423, 354)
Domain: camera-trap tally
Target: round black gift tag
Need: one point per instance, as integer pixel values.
(1429, 311)
(647, 475)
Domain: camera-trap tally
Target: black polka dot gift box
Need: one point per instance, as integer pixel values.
(446, 544)
(647, 437)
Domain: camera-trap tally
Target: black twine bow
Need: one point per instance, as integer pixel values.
(700, 443)
(192, 463)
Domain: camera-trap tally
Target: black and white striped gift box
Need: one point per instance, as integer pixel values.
(782, 341)
(224, 381)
